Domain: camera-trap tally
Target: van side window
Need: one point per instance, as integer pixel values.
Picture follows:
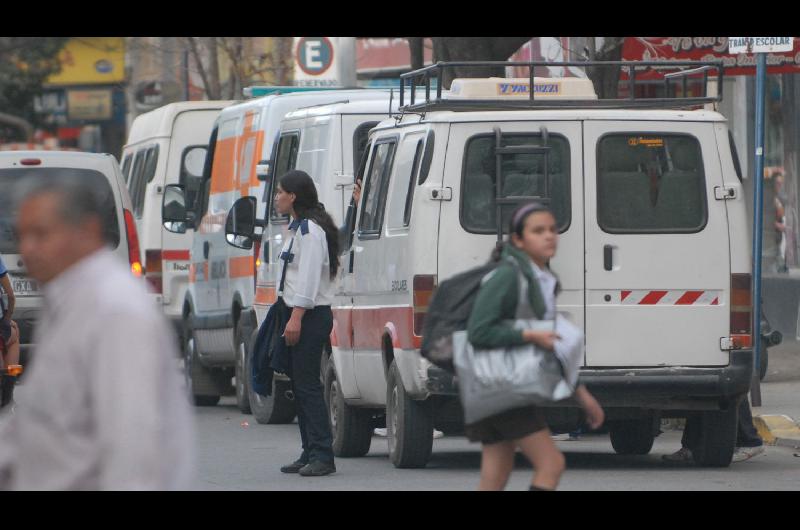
(427, 157)
(375, 187)
(523, 175)
(191, 174)
(285, 160)
(650, 183)
(126, 166)
(144, 176)
(136, 172)
(409, 156)
(360, 137)
(737, 165)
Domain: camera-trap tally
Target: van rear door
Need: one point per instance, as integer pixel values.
(657, 248)
(468, 229)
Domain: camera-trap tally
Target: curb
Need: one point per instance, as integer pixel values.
(778, 429)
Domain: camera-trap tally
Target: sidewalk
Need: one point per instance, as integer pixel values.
(777, 417)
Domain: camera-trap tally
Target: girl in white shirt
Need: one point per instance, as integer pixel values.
(310, 259)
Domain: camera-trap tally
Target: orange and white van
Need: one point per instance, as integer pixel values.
(166, 146)
(240, 161)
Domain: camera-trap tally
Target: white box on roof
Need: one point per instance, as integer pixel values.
(502, 88)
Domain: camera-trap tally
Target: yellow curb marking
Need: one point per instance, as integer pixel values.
(773, 426)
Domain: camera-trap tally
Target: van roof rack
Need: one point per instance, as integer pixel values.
(541, 96)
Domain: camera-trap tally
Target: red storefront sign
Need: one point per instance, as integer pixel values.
(376, 54)
(706, 49)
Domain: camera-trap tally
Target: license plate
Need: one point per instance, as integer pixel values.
(25, 286)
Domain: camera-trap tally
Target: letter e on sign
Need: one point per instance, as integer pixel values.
(314, 55)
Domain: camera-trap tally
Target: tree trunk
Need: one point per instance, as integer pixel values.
(605, 78)
(459, 49)
(214, 90)
(417, 49)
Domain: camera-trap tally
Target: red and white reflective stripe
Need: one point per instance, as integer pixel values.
(672, 297)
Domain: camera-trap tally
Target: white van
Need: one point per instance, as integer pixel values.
(326, 141)
(166, 146)
(653, 260)
(221, 276)
(104, 173)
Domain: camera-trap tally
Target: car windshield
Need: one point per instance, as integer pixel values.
(10, 177)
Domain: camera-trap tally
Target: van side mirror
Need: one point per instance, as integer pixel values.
(262, 170)
(173, 209)
(240, 226)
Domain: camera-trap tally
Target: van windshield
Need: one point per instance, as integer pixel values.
(10, 177)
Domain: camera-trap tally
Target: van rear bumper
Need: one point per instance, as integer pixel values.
(672, 388)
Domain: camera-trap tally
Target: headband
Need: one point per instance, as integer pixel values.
(526, 210)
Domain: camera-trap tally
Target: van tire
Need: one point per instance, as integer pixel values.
(200, 382)
(274, 409)
(351, 427)
(632, 437)
(717, 437)
(409, 424)
(242, 376)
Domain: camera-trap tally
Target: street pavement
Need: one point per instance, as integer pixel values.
(236, 453)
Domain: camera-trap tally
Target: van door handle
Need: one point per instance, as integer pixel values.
(608, 260)
(206, 248)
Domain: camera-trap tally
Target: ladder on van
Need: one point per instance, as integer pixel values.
(673, 72)
(515, 200)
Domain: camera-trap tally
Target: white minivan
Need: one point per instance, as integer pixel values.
(653, 261)
(103, 172)
(327, 142)
(167, 145)
(242, 157)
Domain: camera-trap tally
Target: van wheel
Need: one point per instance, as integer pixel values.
(762, 369)
(632, 437)
(199, 380)
(242, 376)
(276, 408)
(717, 437)
(409, 425)
(351, 427)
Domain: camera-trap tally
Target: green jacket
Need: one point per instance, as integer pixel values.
(496, 304)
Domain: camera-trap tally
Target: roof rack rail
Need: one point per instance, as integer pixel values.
(682, 71)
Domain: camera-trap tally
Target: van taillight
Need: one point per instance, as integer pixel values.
(741, 311)
(153, 269)
(256, 261)
(424, 286)
(134, 256)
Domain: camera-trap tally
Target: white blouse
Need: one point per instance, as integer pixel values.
(308, 278)
(547, 284)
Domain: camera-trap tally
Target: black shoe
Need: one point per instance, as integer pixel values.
(294, 467)
(317, 468)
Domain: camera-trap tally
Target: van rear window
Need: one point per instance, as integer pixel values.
(8, 209)
(650, 183)
(523, 175)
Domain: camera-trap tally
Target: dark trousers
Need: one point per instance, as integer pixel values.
(746, 433)
(305, 358)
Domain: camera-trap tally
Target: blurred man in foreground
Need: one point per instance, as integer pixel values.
(105, 407)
